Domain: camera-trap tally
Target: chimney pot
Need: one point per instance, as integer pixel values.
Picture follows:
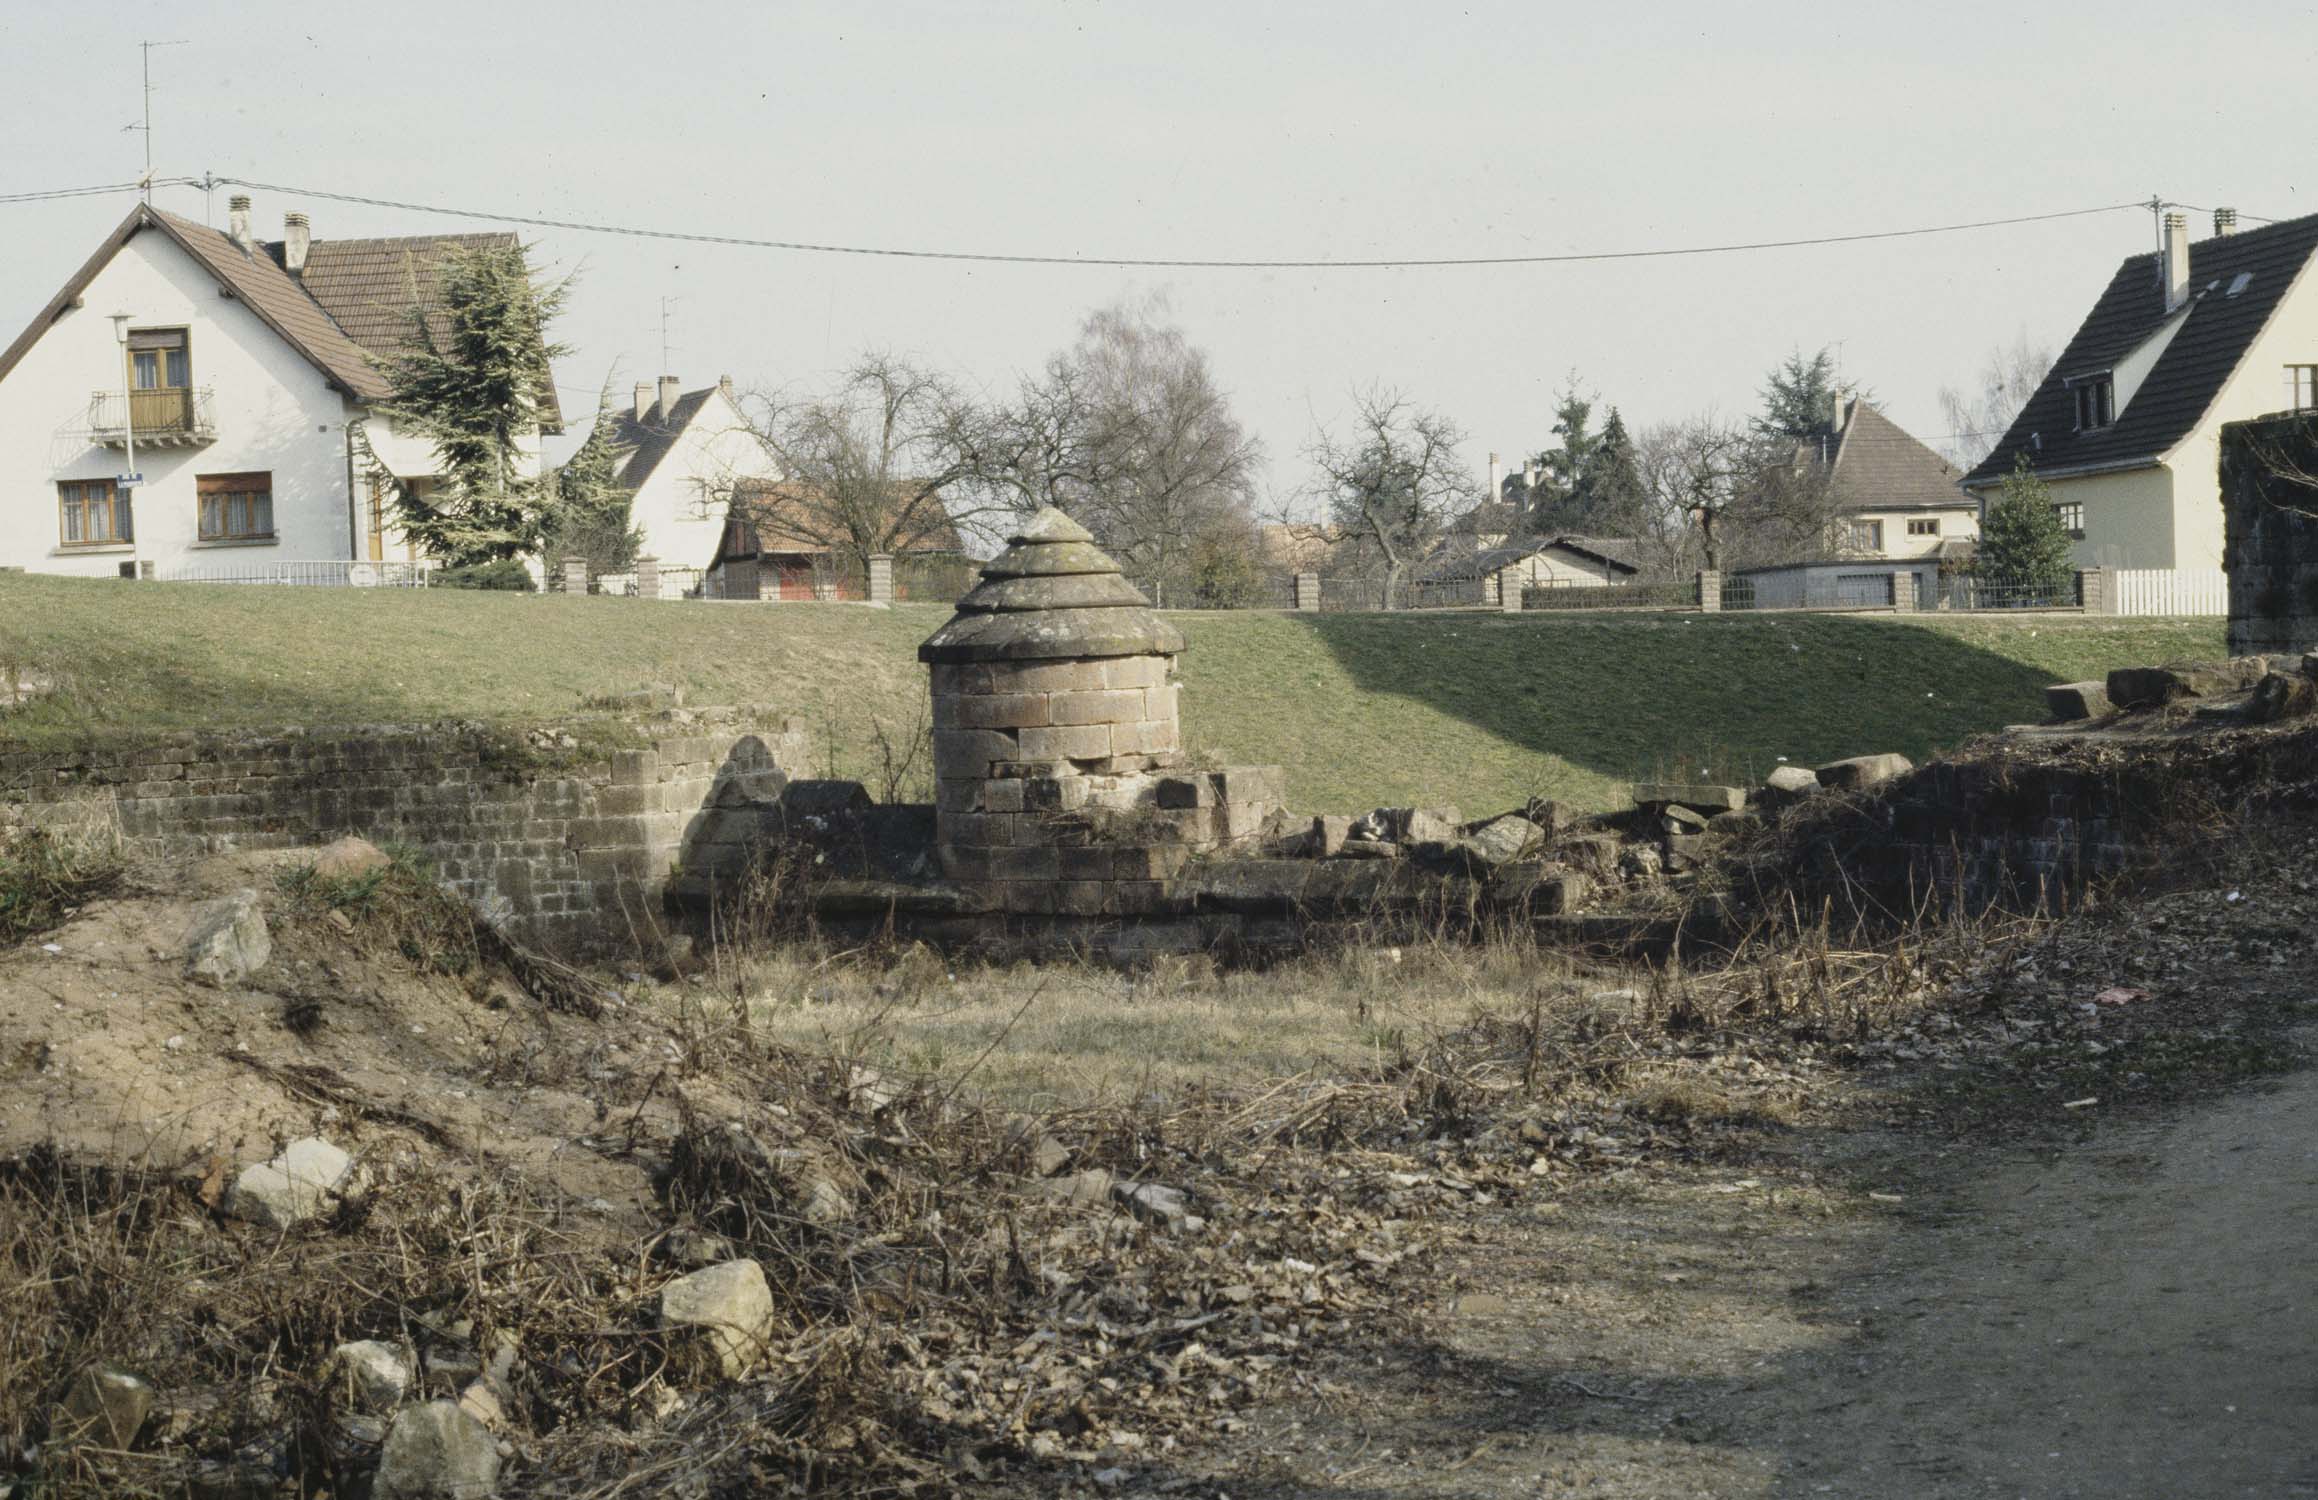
(2225, 221)
(2176, 260)
(643, 400)
(668, 393)
(297, 239)
(237, 219)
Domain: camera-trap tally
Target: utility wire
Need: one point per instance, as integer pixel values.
(1157, 261)
(90, 192)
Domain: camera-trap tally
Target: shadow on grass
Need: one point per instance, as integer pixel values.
(1645, 695)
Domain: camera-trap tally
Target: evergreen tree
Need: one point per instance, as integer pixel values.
(1798, 397)
(2022, 542)
(476, 397)
(1556, 501)
(1615, 503)
(589, 512)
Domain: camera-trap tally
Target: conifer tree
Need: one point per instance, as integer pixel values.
(1798, 397)
(2022, 542)
(588, 515)
(476, 395)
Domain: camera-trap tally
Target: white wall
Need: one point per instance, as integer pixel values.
(1952, 525)
(273, 412)
(2258, 386)
(677, 506)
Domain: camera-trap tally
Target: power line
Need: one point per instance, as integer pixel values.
(90, 192)
(1186, 263)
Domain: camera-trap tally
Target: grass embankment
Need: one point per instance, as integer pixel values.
(1477, 709)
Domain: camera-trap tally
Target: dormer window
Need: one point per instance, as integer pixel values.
(2096, 397)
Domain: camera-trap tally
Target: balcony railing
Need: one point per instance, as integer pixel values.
(160, 419)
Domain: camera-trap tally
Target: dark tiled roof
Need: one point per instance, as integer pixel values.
(649, 439)
(368, 287)
(1877, 466)
(1618, 551)
(1489, 518)
(2187, 376)
(252, 279)
(1463, 560)
(346, 314)
(766, 517)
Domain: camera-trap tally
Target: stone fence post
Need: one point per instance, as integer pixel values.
(1509, 587)
(647, 577)
(881, 579)
(1307, 591)
(1903, 591)
(575, 575)
(1710, 591)
(2093, 591)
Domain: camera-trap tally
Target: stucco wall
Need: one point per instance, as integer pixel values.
(1953, 525)
(273, 412)
(678, 507)
(2129, 520)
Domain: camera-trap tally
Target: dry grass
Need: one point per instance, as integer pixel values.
(1049, 1036)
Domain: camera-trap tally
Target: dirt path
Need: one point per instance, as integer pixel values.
(2135, 1314)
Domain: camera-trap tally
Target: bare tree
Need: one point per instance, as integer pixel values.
(1720, 494)
(871, 466)
(1696, 472)
(1978, 417)
(1127, 431)
(1394, 482)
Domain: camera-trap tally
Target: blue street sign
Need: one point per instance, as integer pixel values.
(128, 481)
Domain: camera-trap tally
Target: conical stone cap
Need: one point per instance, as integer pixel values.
(1051, 595)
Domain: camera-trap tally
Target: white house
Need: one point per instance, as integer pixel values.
(195, 402)
(1898, 499)
(2126, 428)
(686, 450)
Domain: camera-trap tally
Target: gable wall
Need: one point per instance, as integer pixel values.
(2257, 388)
(676, 507)
(273, 412)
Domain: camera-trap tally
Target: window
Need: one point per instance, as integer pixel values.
(236, 507)
(1922, 526)
(157, 359)
(2304, 380)
(92, 514)
(1863, 536)
(2072, 517)
(160, 380)
(2096, 403)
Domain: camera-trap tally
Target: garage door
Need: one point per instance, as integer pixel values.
(1862, 590)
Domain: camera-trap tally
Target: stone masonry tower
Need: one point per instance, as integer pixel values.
(1055, 737)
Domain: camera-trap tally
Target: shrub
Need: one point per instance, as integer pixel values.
(503, 573)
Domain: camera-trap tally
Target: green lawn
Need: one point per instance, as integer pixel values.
(1478, 709)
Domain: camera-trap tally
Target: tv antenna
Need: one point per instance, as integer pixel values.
(146, 48)
(666, 349)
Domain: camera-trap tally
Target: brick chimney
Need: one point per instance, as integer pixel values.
(1496, 479)
(237, 220)
(668, 393)
(643, 400)
(297, 239)
(2225, 221)
(2176, 260)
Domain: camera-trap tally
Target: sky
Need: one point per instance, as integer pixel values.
(1189, 129)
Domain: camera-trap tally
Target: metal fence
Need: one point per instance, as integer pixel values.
(1962, 591)
(334, 573)
(1679, 595)
(674, 583)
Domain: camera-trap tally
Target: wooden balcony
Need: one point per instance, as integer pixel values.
(157, 419)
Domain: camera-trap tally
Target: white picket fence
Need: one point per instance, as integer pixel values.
(2169, 591)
